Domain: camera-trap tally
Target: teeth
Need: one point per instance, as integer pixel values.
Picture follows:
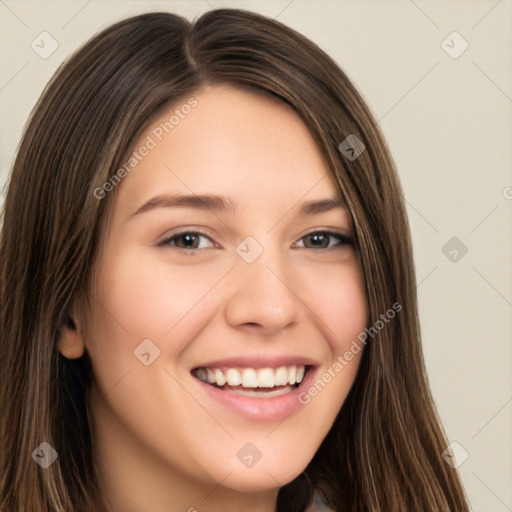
(259, 394)
(300, 373)
(251, 377)
(233, 377)
(266, 378)
(292, 375)
(220, 378)
(210, 377)
(281, 376)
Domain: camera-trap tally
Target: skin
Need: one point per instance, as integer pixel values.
(162, 444)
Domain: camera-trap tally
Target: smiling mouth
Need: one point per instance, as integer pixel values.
(256, 382)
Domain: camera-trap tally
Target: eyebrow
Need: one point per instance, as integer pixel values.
(216, 203)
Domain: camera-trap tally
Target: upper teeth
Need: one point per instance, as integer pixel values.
(252, 377)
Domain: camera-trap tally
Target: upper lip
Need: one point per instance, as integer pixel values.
(259, 361)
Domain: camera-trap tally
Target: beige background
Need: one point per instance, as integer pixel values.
(448, 124)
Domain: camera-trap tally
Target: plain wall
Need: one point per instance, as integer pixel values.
(448, 125)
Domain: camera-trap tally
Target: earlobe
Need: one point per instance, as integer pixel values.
(71, 344)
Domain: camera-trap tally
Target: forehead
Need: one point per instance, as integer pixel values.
(229, 141)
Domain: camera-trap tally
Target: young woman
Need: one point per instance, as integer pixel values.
(207, 287)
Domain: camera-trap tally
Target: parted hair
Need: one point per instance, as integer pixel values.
(383, 452)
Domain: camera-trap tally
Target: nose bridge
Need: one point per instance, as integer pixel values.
(261, 293)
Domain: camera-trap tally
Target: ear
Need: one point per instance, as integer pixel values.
(71, 343)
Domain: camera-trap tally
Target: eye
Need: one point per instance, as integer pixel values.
(187, 240)
(190, 241)
(325, 240)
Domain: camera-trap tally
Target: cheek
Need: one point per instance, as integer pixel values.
(347, 313)
(138, 301)
(153, 300)
(340, 303)
(341, 306)
(339, 311)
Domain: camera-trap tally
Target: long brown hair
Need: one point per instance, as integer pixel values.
(383, 452)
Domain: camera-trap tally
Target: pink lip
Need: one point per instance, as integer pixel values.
(271, 409)
(259, 362)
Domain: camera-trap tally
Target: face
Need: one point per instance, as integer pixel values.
(256, 283)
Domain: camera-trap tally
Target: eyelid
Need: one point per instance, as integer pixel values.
(345, 239)
(165, 242)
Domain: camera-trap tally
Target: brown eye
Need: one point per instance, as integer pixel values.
(186, 240)
(325, 240)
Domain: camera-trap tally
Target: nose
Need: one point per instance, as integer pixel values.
(262, 296)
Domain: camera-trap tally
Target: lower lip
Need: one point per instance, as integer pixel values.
(264, 409)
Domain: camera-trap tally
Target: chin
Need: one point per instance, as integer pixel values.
(263, 476)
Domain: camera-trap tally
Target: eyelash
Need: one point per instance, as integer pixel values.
(344, 240)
